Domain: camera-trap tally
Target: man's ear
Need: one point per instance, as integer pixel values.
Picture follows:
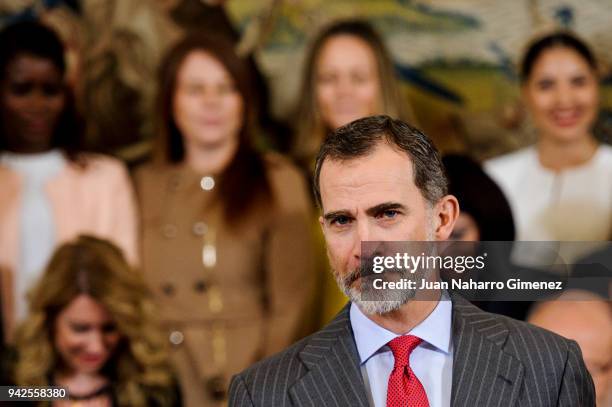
(446, 212)
(322, 223)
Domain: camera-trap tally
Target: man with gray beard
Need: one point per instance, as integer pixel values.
(380, 180)
(362, 285)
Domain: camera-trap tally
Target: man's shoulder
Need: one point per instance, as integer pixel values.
(280, 371)
(268, 381)
(535, 347)
(534, 337)
(476, 316)
(546, 368)
(285, 362)
(553, 365)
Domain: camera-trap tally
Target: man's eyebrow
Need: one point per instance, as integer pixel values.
(334, 214)
(386, 206)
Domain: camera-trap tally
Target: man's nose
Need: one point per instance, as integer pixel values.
(364, 234)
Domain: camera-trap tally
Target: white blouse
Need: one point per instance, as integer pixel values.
(37, 226)
(571, 205)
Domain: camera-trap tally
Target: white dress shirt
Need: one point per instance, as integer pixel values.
(431, 361)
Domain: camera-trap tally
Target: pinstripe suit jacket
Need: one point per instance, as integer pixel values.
(498, 361)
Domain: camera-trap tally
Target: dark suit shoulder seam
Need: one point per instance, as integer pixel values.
(246, 387)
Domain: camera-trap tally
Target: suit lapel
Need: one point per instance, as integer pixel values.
(482, 371)
(333, 377)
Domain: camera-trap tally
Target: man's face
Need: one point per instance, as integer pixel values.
(371, 198)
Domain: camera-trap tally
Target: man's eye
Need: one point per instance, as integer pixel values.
(340, 220)
(389, 214)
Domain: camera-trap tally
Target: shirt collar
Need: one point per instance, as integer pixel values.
(434, 330)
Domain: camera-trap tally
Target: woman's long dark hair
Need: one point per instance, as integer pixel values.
(243, 184)
(33, 38)
(480, 197)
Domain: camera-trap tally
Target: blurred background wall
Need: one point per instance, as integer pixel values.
(457, 58)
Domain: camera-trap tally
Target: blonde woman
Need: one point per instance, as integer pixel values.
(90, 330)
(349, 74)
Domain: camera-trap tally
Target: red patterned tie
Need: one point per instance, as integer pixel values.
(405, 389)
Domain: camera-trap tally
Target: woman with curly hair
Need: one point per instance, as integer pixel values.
(90, 330)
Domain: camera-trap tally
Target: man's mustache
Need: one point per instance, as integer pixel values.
(365, 270)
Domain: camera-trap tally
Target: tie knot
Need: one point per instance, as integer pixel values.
(402, 347)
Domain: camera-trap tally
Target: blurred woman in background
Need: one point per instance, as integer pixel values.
(51, 190)
(485, 212)
(486, 221)
(348, 74)
(559, 189)
(226, 235)
(90, 330)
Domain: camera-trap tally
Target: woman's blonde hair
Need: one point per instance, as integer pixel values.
(311, 130)
(96, 268)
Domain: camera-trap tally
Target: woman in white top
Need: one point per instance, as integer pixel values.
(560, 189)
(50, 190)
